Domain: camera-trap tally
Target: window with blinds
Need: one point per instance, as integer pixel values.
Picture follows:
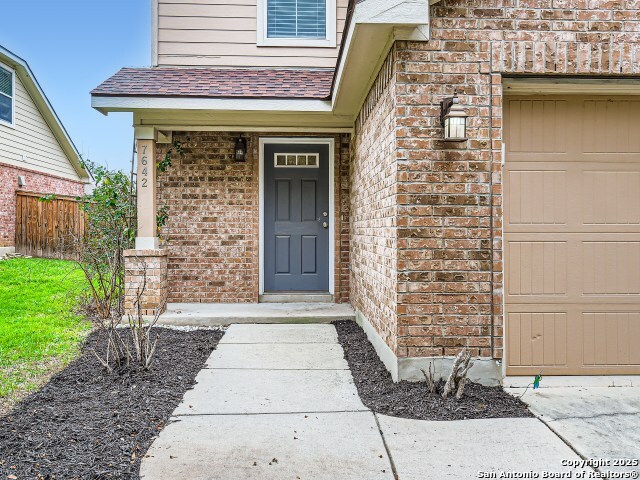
(297, 19)
(6, 95)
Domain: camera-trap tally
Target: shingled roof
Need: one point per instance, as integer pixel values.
(218, 83)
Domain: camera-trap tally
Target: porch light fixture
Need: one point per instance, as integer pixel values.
(241, 149)
(454, 119)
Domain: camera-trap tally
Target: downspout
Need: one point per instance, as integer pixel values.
(491, 223)
(338, 293)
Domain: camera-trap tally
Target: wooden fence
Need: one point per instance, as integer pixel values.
(46, 228)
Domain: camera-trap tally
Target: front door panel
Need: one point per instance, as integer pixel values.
(296, 217)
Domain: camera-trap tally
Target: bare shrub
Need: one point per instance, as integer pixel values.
(458, 376)
(144, 342)
(429, 376)
(110, 229)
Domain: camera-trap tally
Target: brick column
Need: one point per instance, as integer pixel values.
(152, 290)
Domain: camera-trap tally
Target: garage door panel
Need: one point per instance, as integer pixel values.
(537, 197)
(537, 268)
(572, 235)
(539, 338)
(611, 268)
(611, 197)
(535, 126)
(610, 126)
(611, 338)
(575, 338)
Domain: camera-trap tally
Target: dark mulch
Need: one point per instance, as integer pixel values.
(89, 424)
(411, 399)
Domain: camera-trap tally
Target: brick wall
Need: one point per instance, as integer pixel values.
(342, 226)
(449, 202)
(212, 230)
(145, 281)
(34, 182)
(373, 180)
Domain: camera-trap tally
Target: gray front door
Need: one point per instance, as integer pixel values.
(296, 218)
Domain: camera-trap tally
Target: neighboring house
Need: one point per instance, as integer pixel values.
(36, 153)
(349, 188)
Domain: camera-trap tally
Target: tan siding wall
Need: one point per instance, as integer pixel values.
(224, 33)
(31, 144)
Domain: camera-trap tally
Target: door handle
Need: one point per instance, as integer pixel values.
(325, 225)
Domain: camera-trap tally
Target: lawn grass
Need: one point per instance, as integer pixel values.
(39, 328)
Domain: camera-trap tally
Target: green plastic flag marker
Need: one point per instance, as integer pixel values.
(536, 380)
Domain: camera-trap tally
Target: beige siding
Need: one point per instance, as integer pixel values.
(30, 143)
(224, 33)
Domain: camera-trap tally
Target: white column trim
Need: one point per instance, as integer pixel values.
(147, 243)
(144, 132)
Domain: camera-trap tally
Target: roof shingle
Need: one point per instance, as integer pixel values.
(218, 83)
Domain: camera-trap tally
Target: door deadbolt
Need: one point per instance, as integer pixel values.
(325, 214)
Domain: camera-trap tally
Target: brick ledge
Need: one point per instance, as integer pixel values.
(160, 252)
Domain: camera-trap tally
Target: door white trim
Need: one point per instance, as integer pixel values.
(332, 240)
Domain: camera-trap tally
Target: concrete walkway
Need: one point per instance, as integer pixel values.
(279, 402)
(598, 422)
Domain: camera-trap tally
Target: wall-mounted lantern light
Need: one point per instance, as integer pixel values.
(21, 181)
(454, 119)
(241, 149)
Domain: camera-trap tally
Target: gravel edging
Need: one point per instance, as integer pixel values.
(406, 399)
(88, 424)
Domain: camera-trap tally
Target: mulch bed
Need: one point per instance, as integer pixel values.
(411, 399)
(89, 424)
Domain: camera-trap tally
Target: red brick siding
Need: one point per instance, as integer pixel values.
(212, 230)
(146, 281)
(373, 209)
(342, 226)
(34, 182)
(450, 204)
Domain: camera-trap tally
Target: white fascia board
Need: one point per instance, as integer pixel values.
(23, 71)
(128, 104)
(393, 12)
(375, 25)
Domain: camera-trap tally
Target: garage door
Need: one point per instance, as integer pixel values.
(572, 235)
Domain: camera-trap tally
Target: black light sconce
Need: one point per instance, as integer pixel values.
(241, 149)
(454, 119)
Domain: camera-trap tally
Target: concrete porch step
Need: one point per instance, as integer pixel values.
(295, 297)
(210, 314)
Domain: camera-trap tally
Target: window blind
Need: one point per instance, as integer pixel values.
(6, 82)
(297, 19)
(6, 95)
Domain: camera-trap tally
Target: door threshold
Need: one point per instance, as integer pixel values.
(295, 297)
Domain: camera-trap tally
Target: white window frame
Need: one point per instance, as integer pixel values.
(275, 160)
(12, 123)
(329, 41)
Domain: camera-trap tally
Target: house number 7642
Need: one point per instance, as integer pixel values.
(143, 161)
